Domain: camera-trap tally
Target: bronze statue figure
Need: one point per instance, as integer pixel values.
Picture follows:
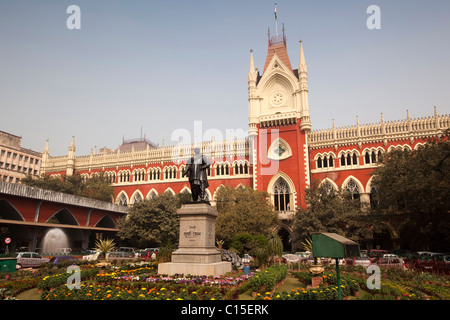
(196, 172)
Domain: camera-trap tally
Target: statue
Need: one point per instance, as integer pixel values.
(196, 171)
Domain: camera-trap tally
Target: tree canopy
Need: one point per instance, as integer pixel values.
(243, 210)
(415, 184)
(330, 210)
(96, 187)
(153, 222)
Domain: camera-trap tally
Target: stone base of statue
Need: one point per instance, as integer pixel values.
(196, 254)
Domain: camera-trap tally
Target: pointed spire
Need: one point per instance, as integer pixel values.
(252, 63)
(302, 62)
(46, 150)
(252, 72)
(72, 144)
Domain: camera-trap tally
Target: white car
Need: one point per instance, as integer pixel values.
(29, 260)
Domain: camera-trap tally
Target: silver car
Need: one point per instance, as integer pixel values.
(29, 260)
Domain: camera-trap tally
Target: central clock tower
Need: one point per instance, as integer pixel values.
(278, 126)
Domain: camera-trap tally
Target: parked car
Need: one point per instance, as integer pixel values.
(391, 262)
(121, 255)
(443, 263)
(433, 262)
(29, 260)
(129, 250)
(358, 261)
(63, 259)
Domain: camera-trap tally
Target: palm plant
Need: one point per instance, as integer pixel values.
(104, 246)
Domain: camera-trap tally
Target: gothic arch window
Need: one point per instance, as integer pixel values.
(349, 158)
(123, 200)
(282, 195)
(222, 168)
(352, 189)
(137, 197)
(111, 177)
(84, 177)
(154, 174)
(241, 167)
(325, 160)
(328, 187)
(372, 156)
(139, 175)
(152, 194)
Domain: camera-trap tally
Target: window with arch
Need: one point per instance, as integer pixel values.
(281, 195)
(241, 168)
(325, 161)
(110, 177)
(222, 169)
(349, 158)
(329, 188)
(372, 156)
(137, 198)
(123, 200)
(352, 189)
(124, 176)
(139, 175)
(154, 174)
(170, 173)
(152, 194)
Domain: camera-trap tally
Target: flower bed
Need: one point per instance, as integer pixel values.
(138, 281)
(143, 283)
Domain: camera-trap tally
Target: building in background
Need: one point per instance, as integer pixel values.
(17, 162)
(281, 155)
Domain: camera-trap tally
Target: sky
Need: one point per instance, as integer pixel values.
(144, 67)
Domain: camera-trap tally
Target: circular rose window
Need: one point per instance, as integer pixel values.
(277, 99)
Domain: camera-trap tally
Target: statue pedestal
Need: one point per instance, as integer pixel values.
(196, 254)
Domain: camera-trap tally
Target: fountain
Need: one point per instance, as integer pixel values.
(53, 240)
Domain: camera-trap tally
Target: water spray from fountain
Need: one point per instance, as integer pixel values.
(53, 240)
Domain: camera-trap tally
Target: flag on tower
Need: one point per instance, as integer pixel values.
(276, 15)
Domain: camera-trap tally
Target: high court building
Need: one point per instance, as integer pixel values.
(281, 154)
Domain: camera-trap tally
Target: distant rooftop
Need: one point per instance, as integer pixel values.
(137, 144)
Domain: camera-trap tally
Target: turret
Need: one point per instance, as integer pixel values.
(305, 123)
(71, 158)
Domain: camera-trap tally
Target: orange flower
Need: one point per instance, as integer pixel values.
(108, 296)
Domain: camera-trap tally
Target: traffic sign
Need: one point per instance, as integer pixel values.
(7, 240)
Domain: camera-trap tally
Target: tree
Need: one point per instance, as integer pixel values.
(153, 222)
(330, 210)
(247, 243)
(413, 187)
(243, 210)
(96, 187)
(274, 247)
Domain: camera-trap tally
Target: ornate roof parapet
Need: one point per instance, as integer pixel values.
(380, 132)
(179, 153)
